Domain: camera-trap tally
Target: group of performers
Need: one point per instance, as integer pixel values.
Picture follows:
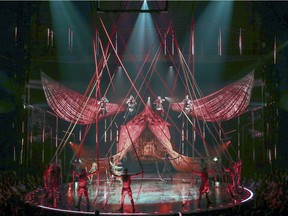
(131, 106)
(53, 177)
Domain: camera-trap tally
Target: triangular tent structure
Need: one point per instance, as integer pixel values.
(131, 131)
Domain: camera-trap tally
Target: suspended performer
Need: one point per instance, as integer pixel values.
(103, 106)
(158, 105)
(131, 106)
(126, 189)
(82, 186)
(187, 105)
(204, 188)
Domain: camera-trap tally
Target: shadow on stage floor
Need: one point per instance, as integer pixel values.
(152, 196)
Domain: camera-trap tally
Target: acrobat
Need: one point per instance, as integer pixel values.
(103, 106)
(131, 106)
(126, 189)
(158, 105)
(187, 103)
(116, 170)
(204, 188)
(82, 188)
(93, 168)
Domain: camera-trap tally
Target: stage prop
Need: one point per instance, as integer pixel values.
(224, 104)
(134, 129)
(72, 106)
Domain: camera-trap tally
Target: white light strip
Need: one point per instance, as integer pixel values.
(250, 197)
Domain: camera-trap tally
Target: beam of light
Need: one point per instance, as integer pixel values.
(144, 6)
(143, 31)
(212, 36)
(70, 33)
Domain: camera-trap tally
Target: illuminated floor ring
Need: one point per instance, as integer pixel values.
(144, 208)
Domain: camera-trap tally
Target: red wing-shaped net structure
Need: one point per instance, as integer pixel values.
(223, 104)
(72, 106)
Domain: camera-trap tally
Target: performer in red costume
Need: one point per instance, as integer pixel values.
(46, 175)
(238, 171)
(158, 105)
(126, 189)
(82, 189)
(204, 188)
(55, 179)
(234, 171)
(231, 171)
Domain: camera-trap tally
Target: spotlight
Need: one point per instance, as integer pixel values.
(215, 159)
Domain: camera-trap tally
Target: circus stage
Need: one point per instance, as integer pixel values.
(152, 196)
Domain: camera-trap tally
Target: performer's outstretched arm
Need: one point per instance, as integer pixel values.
(137, 173)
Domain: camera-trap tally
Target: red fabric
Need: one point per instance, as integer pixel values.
(223, 104)
(68, 104)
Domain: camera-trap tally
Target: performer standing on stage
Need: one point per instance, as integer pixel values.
(103, 106)
(167, 167)
(94, 168)
(116, 170)
(131, 105)
(187, 103)
(126, 189)
(55, 179)
(158, 105)
(82, 188)
(204, 188)
(218, 171)
(238, 171)
(232, 187)
(46, 175)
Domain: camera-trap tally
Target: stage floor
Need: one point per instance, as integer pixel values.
(156, 197)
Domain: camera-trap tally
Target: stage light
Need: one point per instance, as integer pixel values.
(215, 159)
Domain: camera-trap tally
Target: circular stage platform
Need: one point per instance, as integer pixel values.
(156, 197)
